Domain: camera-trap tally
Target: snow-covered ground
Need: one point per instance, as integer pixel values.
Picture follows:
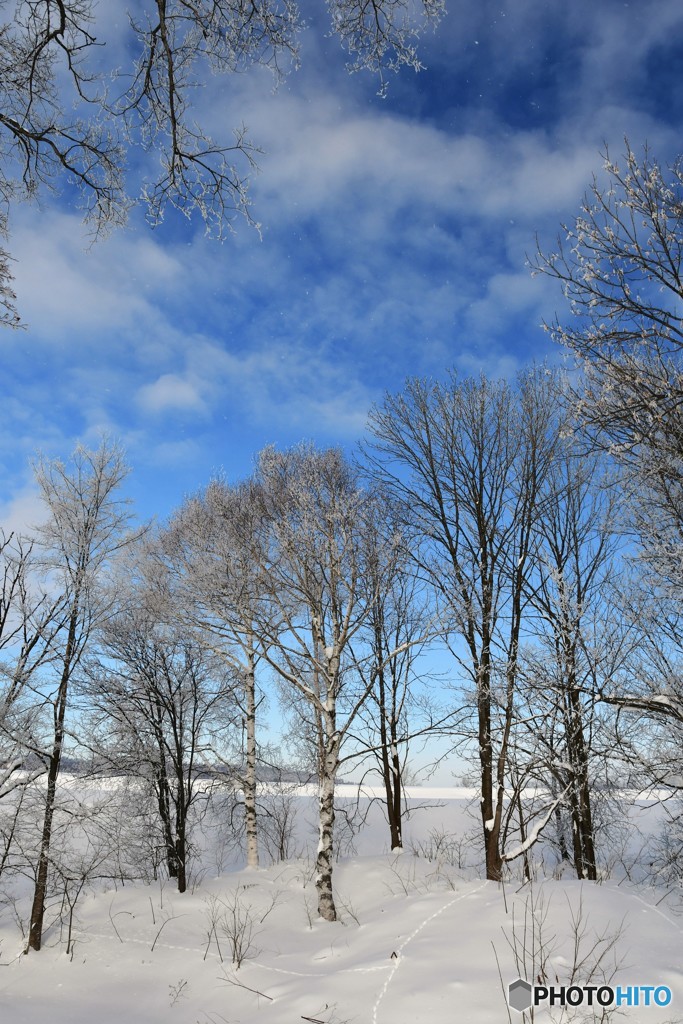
(418, 940)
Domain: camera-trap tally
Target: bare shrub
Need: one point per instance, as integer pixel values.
(277, 818)
(441, 847)
(232, 926)
(584, 957)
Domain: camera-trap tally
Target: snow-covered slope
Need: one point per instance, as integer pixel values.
(418, 941)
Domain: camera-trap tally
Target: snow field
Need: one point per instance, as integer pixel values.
(415, 943)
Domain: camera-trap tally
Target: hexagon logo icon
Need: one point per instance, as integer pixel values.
(519, 995)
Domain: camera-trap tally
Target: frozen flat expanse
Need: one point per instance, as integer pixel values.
(418, 941)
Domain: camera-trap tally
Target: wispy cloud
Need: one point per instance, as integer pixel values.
(394, 243)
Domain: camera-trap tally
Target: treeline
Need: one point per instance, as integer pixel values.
(533, 528)
(473, 518)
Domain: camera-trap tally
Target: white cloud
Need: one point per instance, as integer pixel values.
(185, 452)
(394, 242)
(278, 385)
(23, 511)
(70, 290)
(171, 392)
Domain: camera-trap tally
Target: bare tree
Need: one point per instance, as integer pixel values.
(66, 116)
(649, 688)
(580, 648)
(467, 460)
(320, 593)
(29, 620)
(399, 625)
(214, 551)
(159, 705)
(86, 526)
(620, 268)
(619, 265)
(41, 137)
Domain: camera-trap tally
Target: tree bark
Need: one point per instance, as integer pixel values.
(324, 862)
(390, 762)
(581, 802)
(35, 936)
(490, 810)
(249, 781)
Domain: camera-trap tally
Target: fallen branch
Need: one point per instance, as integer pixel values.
(240, 984)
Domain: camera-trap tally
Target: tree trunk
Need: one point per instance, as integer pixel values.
(164, 805)
(490, 815)
(522, 832)
(391, 764)
(249, 781)
(581, 801)
(181, 856)
(587, 836)
(559, 822)
(35, 935)
(492, 855)
(394, 804)
(324, 862)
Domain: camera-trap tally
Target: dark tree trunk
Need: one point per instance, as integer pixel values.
(583, 833)
(490, 810)
(35, 936)
(522, 831)
(181, 856)
(166, 815)
(390, 763)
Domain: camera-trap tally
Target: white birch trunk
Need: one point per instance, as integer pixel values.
(249, 782)
(324, 862)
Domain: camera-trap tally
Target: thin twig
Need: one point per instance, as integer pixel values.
(112, 920)
(163, 924)
(502, 984)
(240, 984)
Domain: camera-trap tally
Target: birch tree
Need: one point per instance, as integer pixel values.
(29, 619)
(214, 548)
(320, 594)
(86, 525)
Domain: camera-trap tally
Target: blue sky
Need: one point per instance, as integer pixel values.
(394, 234)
